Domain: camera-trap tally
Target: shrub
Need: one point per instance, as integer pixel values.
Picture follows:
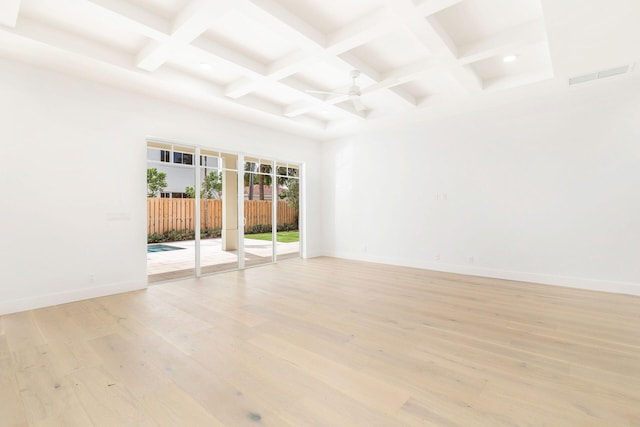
(180, 235)
(267, 228)
(212, 233)
(155, 238)
(288, 227)
(258, 229)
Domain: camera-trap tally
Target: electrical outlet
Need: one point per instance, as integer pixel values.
(92, 278)
(471, 260)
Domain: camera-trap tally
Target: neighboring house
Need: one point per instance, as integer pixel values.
(179, 168)
(268, 193)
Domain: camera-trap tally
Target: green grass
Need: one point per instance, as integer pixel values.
(283, 236)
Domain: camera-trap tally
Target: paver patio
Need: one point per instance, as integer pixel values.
(162, 266)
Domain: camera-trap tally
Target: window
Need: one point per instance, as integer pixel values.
(173, 195)
(183, 158)
(165, 156)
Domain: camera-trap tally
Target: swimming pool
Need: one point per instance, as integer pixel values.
(161, 248)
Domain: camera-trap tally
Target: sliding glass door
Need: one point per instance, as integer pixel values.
(210, 211)
(218, 211)
(288, 211)
(170, 212)
(258, 212)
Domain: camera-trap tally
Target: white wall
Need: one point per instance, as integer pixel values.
(546, 190)
(72, 182)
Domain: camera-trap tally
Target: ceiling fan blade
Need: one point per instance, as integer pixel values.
(357, 104)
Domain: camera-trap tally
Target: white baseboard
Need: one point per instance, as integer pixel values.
(24, 304)
(628, 288)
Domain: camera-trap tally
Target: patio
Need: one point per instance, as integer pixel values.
(163, 266)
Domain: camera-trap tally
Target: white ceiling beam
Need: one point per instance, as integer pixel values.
(193, 20)
(303, 107)
(436, 36)
(297, 109)
(292, 64)
(135, 17)
(9, 10)
(505, 42)
(149, 25)
(403, 75)
(360, 32)
(242, 63)
(319, 47)
(467, 78)
(260, 104)
(355, 62)
(179, 84)
(187, 27)
(407, 16)
(271, 13)
(435, 39)
(313, 102)
(62, 40)
(348, 37)
(404, 95)
(431, 7)
(392, 79)
(349, 60)
(276, 71)
(240, 87)
(154, 54)
(197, 17)
(281, 21)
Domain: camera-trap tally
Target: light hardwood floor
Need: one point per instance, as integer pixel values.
(326, 342)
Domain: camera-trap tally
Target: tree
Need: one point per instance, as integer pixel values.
(264, 178)
(190, 192)
(212, 185)
(156, 182)
(210, 189)
(292, 195)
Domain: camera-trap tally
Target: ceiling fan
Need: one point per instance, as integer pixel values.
(354, 92)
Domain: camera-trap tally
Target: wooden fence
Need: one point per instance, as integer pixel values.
(178, 214)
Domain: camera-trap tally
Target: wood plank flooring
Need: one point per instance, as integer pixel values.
(326, 342)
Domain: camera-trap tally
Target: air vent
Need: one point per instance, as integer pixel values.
(583, 79)
(601, 74)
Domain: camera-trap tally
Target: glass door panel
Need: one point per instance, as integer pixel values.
(258, 212)
(170, 212)
(218, 212)
(288, 208)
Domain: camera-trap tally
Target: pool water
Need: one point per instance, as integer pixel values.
(161, 248)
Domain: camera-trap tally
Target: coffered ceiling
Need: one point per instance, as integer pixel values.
(262, 60)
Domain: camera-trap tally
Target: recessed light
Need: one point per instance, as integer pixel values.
(510, 58)
(205, 66)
